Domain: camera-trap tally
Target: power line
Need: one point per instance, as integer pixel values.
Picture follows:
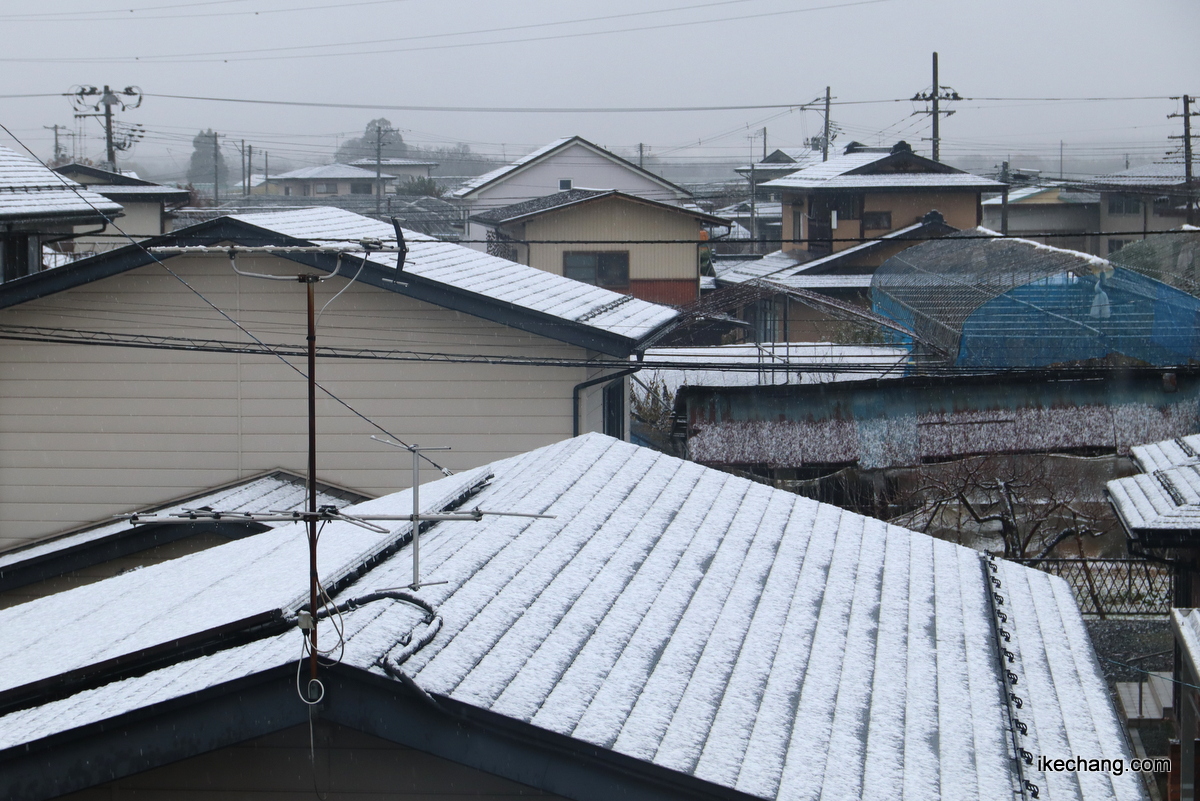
(358, 52)
(59, 18)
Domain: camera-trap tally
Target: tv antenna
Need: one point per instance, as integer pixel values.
(315, 514)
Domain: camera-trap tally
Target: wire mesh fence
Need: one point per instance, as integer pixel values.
(1120, 587)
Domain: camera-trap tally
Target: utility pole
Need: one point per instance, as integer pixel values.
(764, 142)
(641, 155)
(266, 172)
(216, 172)
(825, 139)
(1060, 159)
(59, 153)
(378, 170)
(249, 167)
(1004, 199)
(935, 96)
(245, 173)
(1187, 155)
(108, 99)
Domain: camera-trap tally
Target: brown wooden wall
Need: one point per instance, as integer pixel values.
(349, 766)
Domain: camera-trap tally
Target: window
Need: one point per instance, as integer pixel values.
(360, 189)
(1124, 204)
(877, 220)
(604, 268)
(614, 409)
(20, 255)
(325, 189)
(564, 184)
(848, 207)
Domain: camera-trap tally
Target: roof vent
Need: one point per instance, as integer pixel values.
(902, 147)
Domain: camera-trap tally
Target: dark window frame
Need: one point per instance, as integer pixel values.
(362, 188)
(601, 269)
(565, 184)
(1124, 205)
(877, 221)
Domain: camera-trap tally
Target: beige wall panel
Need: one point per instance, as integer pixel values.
(624, 223)
(958, 208)
(94, 430)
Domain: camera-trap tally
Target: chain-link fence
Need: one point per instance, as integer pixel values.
(1105, 587)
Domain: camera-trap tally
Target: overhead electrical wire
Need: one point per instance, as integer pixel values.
(70, 185)
(357, 52)
(81, 16)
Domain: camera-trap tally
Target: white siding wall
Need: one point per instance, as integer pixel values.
(585, 168)
(89, 431)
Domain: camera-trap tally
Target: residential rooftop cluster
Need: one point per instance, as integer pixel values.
(567, 483)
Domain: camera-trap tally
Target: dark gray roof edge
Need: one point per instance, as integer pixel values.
(222, 229)
(75, 168)
(580, 140)
(265, 702)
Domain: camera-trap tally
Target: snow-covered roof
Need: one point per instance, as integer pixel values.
(1167, 453)
(502, 173)
(1160, 173)
(468, 270)
(682, 617)
(130, 193)
(517, 212)
(779, 363)
(851, 171)
(369, 162)
(31, 191)
(1165, 499)
(329, 172)
(277, 490)
(736, 271)
(1060, 195)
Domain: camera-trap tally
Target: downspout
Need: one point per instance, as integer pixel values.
(592, 382)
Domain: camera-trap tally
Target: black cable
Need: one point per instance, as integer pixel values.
(219, 310)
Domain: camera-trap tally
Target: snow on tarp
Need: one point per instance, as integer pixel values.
(713, 626)
(221, 586)
(469, 270)
(277, 491)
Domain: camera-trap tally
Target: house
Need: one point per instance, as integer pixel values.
(147, 206)
(1051, 214)
(668, 632)
(569, 163)
(460, 349)
(777, 164)
(1140, 201)
(655, 250)
(327, 180)
(40, 212)
(974, 299)
(401, 169)
(867, 192)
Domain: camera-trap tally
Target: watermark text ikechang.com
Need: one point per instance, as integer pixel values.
(1078, 764)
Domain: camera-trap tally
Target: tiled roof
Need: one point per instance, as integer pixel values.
(330, 172)
(29, 190)
(696, 621)
(472, 271)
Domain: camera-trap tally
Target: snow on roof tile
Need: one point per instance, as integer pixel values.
(1161, 173)
(1168, 453)
(472, 271)
(680, 615)
(27, 189)
(840, 173)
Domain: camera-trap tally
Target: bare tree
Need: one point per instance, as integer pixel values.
(1026, 504)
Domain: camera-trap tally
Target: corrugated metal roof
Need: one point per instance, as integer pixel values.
(329, 172)
(848, 171)
(1167, 453)
(472, 271)
(706, 624)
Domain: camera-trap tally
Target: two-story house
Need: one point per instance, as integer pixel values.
(868, 192)
(629, 244)
(569, 163)
(1140, 201)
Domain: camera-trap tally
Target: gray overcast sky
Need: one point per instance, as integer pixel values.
(422, 52)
